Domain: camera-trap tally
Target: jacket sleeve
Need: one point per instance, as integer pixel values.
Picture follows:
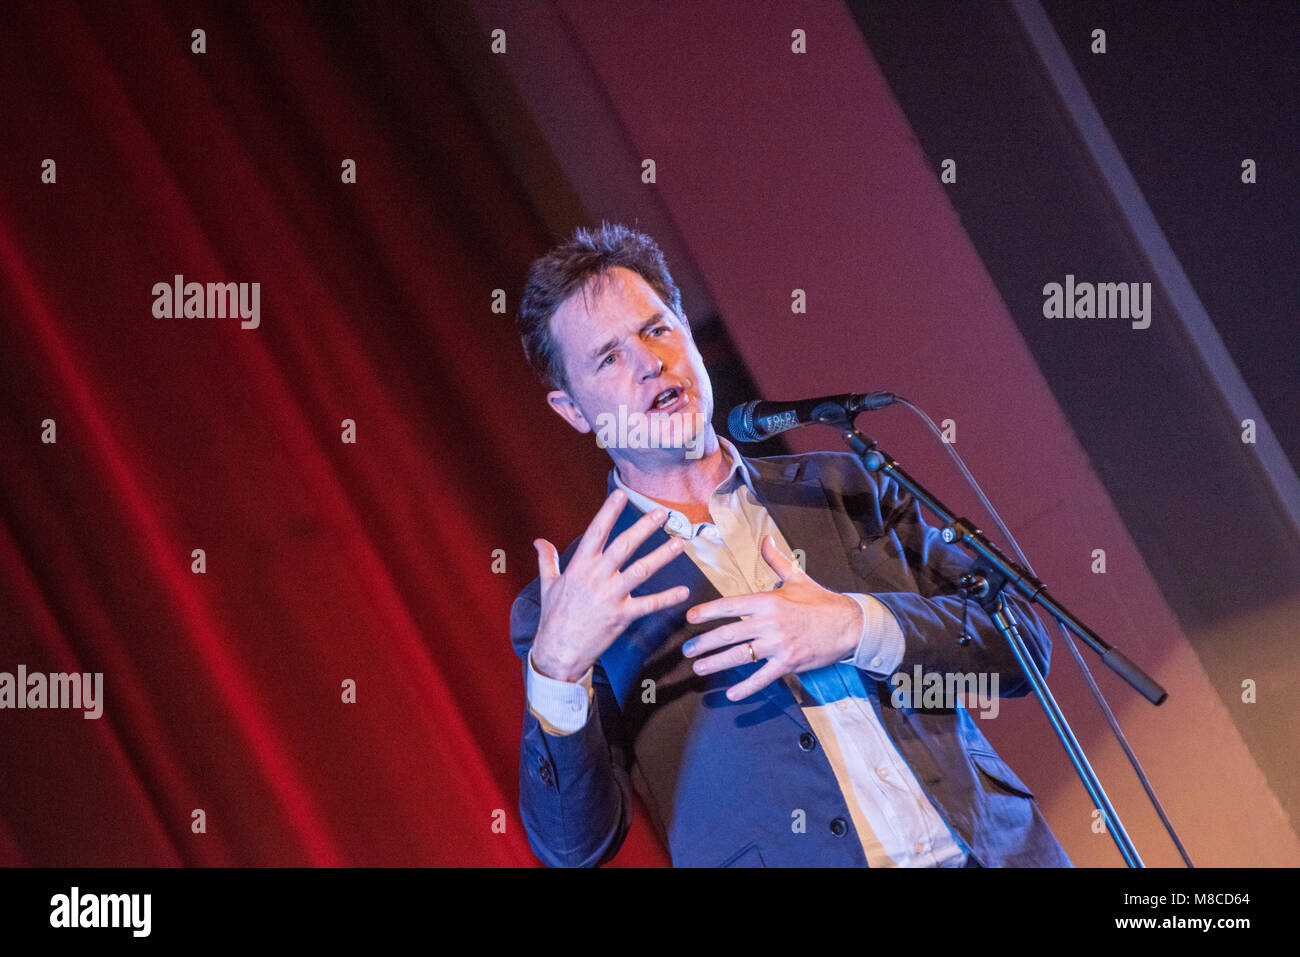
(918, 575)
(574, 789)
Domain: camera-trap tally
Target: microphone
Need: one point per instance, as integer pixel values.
(759, 420)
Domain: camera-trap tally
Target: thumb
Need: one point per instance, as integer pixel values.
(786, 567)
(548, 561)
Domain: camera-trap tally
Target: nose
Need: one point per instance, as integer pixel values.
(649, 365)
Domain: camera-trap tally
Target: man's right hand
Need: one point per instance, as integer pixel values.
(586, 608)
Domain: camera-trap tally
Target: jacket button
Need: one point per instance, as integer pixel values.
(839, 827)
(807, 742)
(545, 770)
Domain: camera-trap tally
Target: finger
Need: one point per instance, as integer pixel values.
(723, 636)
(548, 560)
(783, 565)
(593, 539)
(621, 548)
(647, 604)
(732, 607)
(733, 657)
(645, 566)
(756, 682)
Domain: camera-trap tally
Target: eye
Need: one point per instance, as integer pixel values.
(606, 361)
(658, 329)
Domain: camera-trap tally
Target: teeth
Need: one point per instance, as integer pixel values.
(665, 397)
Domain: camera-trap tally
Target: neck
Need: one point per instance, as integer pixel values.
(686, 485)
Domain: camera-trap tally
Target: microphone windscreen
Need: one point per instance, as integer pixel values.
(740, 423)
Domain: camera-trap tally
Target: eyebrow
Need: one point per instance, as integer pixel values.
(602, 349)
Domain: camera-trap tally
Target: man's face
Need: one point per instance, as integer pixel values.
(631, 360)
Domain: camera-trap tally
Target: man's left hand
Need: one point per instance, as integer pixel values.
(796, 627)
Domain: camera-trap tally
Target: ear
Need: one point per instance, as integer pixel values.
(568, 410)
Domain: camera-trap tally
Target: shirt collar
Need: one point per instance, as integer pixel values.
(677, 522)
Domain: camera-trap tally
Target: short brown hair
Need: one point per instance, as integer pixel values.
(567, 269)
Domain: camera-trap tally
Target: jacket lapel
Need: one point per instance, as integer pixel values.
(799, 505)
(801, 508)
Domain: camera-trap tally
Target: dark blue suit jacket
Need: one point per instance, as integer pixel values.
(722, 779)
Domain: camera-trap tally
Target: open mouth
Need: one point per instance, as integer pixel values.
(668, 400)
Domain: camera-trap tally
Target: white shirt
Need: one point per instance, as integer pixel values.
(896, 821)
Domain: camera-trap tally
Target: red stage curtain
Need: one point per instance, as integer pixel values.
(325, 561)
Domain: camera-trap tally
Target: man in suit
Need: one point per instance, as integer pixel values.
(679, 648)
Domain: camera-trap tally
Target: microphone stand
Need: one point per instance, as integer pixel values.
(990, 573)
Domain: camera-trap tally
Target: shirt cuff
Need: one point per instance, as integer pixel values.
(881, 647)
(562, 707)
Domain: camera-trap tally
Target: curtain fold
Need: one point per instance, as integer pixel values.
(228, 736)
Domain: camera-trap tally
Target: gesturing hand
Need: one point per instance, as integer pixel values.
(797, 627)
(586, 608)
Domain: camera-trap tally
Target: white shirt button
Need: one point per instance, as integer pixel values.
(842, 705)
(919, 847)
(883, 772)
(877, 662)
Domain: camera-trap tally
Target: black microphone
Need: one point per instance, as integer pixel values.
(759, 420)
